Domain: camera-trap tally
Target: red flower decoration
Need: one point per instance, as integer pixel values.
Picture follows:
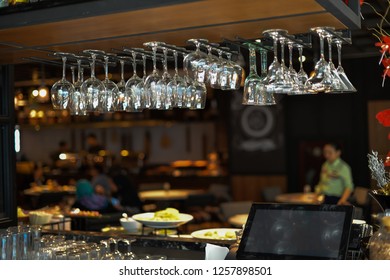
(347, 1)
(386, 71)
(384, 45)
(384, 117)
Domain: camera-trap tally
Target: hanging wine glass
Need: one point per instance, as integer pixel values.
(152, 80)
(92, 88)
(177, 86)
(291, 71)
(139, 99)
(285, 82)
(196, 61)
(62, 89)
(321, 79)
(187, 82)
(340, 69)
(121, 101)
(72, 71)
(132, 82)
(275, 73)
(214, 67)
(264, 97)
(77, 100)
(111, 92)
(252, 81)
(302, 76)
(226, 73)
(337, 84)
(161, 86)
(231, 74)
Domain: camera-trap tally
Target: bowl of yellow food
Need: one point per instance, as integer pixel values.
(39, 217)
(168, 218)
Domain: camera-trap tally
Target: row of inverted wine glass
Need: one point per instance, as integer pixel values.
(259, 90)
(218, 72)
(81, 250)
(324, 78)
(150, 92)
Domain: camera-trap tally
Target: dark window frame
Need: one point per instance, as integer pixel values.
(8, 213)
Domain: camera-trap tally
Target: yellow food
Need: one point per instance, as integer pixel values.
(21, 213)
(169, 214)
(219, 235)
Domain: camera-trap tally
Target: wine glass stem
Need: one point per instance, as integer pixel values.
(220, 54)
(106, 66)
(154, 59)
(275, 48)
(73, 74)
(339, 52)
(144, 65)
(165, 65)
(229, 56)
(282, 52)
(134, 63)
(79, 70)
(322, 46)
(263, 55)
(300, 50)
(63, 67)
(252, 60)
(329, 40)
(122, 62)
(93, 66)
(175, 57)
(290, 53)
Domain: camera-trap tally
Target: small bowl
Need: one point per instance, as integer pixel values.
(130, 225)
(39, 217)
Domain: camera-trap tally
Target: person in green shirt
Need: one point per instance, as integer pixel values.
(336, 182)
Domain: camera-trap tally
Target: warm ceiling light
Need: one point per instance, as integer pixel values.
(43, 92)
(33, 114)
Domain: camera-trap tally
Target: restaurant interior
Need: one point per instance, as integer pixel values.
(213, 163)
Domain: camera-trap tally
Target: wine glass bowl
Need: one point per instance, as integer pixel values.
(62, 89)
(92, 88)
(107, 101)
(77, 104)
(320, 79)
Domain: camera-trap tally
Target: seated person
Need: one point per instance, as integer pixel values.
(127, 192)
(88, 200)
(102, 183)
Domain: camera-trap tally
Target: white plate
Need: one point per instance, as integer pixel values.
(145, 219)
(215, 233)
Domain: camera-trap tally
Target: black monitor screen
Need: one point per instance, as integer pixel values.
(291, 231)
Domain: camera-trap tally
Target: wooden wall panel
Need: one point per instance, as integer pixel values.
(250, 187)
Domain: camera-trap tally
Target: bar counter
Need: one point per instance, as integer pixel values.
(182, 247)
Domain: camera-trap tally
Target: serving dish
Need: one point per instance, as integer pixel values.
(147, 220)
